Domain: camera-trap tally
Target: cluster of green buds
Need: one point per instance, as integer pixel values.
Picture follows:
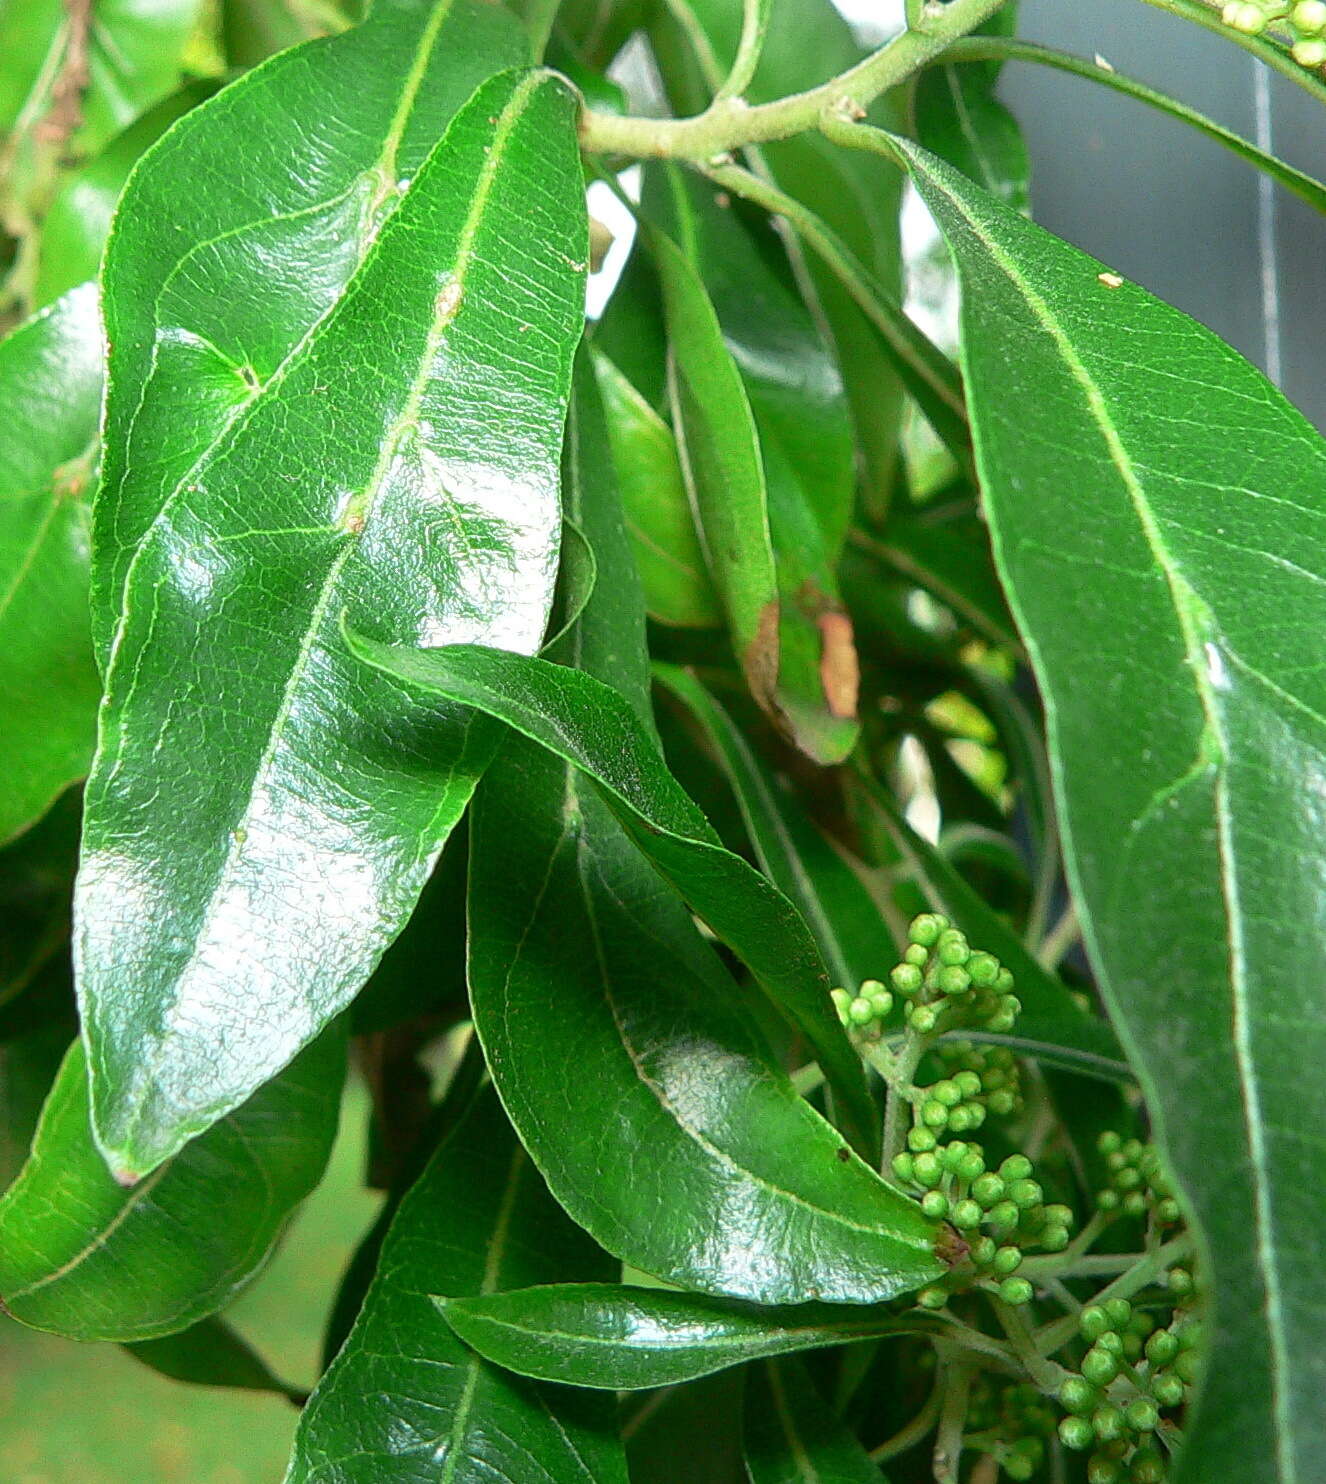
(1138, 1183)
(998, 1214)
(864, 1012)
(945, 985)
(1302, 23)
(1012, 1423)
(1134, 1371)
(995, 1068)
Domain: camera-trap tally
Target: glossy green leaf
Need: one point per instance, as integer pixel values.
(629, 1339)
(677, 586)
(658, 1120)
(50, 389)
(804, 434)
(720, 460)
(593, 727)
(92, 1259)
(263, 813)
(956, 115)
(792, 1437)
(1051, 1027)
(75, 227)
(405, 1400)
(1157, 515)
(210, 1353)
(852, 936)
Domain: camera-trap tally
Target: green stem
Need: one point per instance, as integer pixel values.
(898, 1095)
(1045, 1373)
(1137, 1277)
(913, 1432)
(1059, 940)
(730, 124)
(1274, 56)
(539, 18)
(955, 1380)
(1005, 49)
(754, 23)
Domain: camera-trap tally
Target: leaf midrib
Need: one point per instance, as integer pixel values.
(1185, 598)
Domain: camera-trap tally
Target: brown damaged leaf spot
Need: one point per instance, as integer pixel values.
(760, 661)
(840, 673)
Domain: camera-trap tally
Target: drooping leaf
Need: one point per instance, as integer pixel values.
(211, 1353)
(50, 389)
(1157, 514)
(74, 229)
(630, 1339)
(678, 589)
(92, 1259)
(852, 936)
(593, 727)
(804, 437)
(648, 1102)
(405, 1400)
(262, 813)
(792, 1436)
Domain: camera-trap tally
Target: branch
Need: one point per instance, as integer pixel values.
(730, 124)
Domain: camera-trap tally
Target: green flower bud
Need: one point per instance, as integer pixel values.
(1148, 1467)
(1249, 19)
(1112, 1341)
(1007, 1260)
(960, 1119)
(1141, 1323)
(952, 949)
(1161, 1348)
(935, 1205)
(1180, 1282)
(1108, 1423)
(1019, 1467)
(925, 929)
(904, 1168)
(1025, 1193)
(1310, 54)
(922, 1018)
(1001, 1023)
(907, 979)
(1308, 17)
(1132, 1347)
(1016, 1291)
(1077, 1433)
(1187, 1367)
(1168, 1211)
(932, 1298)
(1141, 1415)
(1133, 1150)
(1168, 1390)
(927, 1170)
(1103, 1469)
(951, 1155)
(953, 980)
(1119, 1311)
(1016, 1167)
(921, 1140)
(983, 1251)
(1058, 1216)
(881, 1003)
(1133, 1204)
(1004, 982)
(1055, 1238)
(1129, 1178)
(988, 1189)
(1108, 1200)
(1004, 1215)
(984, 969)
(972, 1164)
(1109, 1143)
(1002, 1103)
(966, 1214)
(916, 956)
(947, 1092)
(860, 1012)
(1100, 1367)
(1079, 1396)
(969, 1083)
(934, 1114)
(1093, 1322)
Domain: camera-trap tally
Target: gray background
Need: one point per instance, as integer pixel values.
(1162, 204)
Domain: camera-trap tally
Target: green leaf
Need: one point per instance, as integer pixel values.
(50, 388)
(404, 1400)
(210, 1353)
(74, 229)
(1051, 1028)
(28, 1065)
(88, 1258)
(956, 115)
(262, 812)
(687, 1432)
(629, 1339)
(804, 437)
(1156, 510)
(792, 1437)
(592, 727)
(677, 586)
(852, 936)
(658, 1120)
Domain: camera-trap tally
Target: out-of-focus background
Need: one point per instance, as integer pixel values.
(1159, 203)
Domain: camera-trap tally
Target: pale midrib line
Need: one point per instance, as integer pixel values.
(390, 446)
(805, 1467)
(697, 1136)
(847, 1330)
(487, 1284)
(1180, 590)
(99, 1239)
